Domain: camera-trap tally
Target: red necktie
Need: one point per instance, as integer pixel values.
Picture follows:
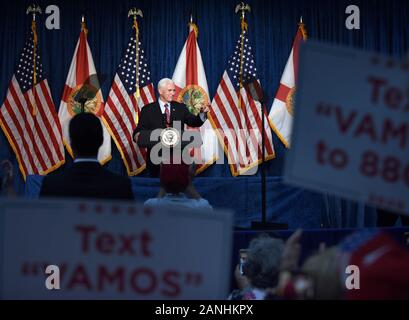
(167, 113)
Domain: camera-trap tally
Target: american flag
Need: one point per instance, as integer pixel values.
(239, 124)
(28, 117)
(122, 107)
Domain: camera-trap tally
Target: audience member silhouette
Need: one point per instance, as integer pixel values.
(86, 178)
(177, 188)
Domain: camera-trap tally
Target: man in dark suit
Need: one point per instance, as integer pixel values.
(161, 114)
(86, 178)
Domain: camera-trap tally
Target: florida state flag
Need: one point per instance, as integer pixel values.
(82, 93)
(281, 113)
(191, 89)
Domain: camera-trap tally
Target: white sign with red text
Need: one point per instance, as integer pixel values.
(113, 250)
(351, 126)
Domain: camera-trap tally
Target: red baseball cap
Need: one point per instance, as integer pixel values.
(174, 177)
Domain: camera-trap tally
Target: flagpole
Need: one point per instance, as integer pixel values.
(242, 7)
(263, 224)
(33, 9)
(243, 25)
(136, 12)
(82, 99)
(263, 172)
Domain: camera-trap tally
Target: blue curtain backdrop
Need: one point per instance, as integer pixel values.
(272, 26)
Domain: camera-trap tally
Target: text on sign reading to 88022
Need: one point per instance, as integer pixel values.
(387, 131)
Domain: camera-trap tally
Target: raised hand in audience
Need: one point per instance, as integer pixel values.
(291, 252)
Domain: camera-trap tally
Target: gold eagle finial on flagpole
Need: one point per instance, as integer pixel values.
(301, 26)
(84, 25)
(34, 9)
(193, 26)
(243, 7)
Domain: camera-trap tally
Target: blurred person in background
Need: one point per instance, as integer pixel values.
(261, 269)
(380, 262)
(323, 271)
(7, 188)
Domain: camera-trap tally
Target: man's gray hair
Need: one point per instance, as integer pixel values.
(163, 82)
(263, 261)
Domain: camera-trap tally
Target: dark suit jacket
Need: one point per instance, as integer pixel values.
(87, 180)
(151, 118)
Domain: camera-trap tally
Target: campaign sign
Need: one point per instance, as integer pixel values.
(351, 126)
(60, 249)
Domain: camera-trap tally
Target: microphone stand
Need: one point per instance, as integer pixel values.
(263, 224)
(82, 101)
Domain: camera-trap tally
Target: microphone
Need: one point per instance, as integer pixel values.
(165, 124)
